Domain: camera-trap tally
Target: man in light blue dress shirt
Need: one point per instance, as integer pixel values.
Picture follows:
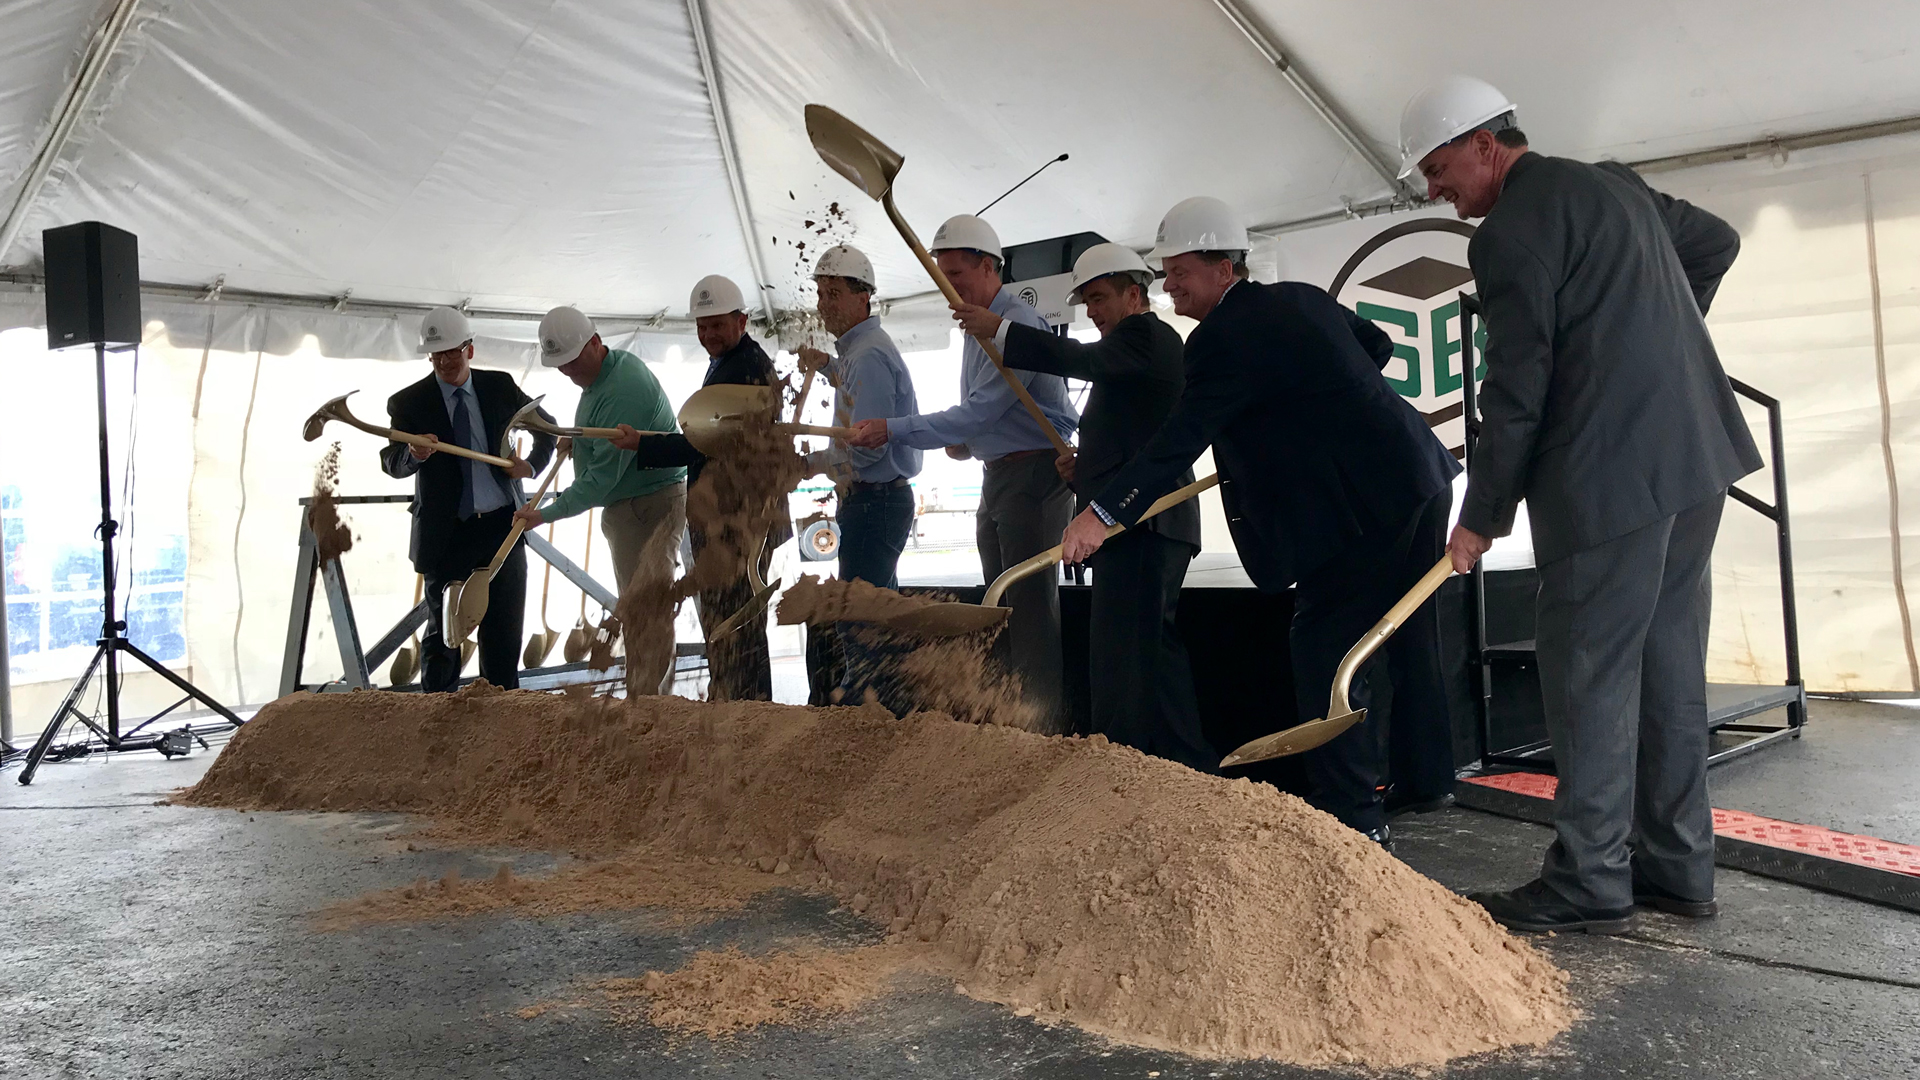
(1024, 501)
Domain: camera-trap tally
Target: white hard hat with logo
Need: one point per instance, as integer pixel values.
(964, 232)
(1202, 223)
(842, 260)
(564, 331)
(1102, 259)
(444, 328)
(715, 294)
(1442, 113)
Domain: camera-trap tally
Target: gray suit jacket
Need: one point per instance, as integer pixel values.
(1605, 406)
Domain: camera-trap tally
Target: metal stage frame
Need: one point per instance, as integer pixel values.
(1729, 706)
(359, 663)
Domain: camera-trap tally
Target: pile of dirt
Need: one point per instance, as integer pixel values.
(688, 888)
(724, 992)
(334, 532)
(1081, 880)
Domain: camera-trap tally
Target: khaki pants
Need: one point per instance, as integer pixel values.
(633, 528)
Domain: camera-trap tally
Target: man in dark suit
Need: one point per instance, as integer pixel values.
(463, 509)
(1142, 688)
(738, 665)
(1331, 481)
(1606, 409)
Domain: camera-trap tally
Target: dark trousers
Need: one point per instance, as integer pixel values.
(1334, 606)
(1622, 637)
(738, 665)
(1024, 507)
(874, 525)
(471, 547)
(1141, 686)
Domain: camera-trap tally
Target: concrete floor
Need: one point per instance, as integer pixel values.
(150, 941)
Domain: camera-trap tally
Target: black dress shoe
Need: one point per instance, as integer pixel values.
(1382, 836)
(1647, 894)
(1399, 805)
(1534, 907)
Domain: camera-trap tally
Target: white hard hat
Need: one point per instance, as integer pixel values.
(715, 294)
(966, 232)
(1442, 113)
(844, 261)
(564, 331)
(444, 328)
(1202, 223)
(1102, 259)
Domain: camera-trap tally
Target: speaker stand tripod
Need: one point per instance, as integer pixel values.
(113, 642)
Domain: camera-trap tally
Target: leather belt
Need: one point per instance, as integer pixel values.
(880, 485)
(1018, 455)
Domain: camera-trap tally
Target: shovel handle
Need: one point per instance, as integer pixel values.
(1052, 555)
(1382, 630)
(519, 524)
(1060, 445)
(815, 429)
(442, 447)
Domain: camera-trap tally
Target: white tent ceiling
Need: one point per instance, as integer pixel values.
(521, 153)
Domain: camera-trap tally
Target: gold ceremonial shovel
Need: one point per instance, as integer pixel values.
(1340, 715)
(851, 151)
(954, 619)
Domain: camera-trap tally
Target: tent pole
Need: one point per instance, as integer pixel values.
(1319, 102)
(729, 153)
(93, 68)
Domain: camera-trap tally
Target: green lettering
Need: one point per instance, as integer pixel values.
(1445, 348)
(1409, 324)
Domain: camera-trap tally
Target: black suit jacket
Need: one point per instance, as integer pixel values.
(420, 410)
(1314, 449)
(1605, 405)
(1137, 371)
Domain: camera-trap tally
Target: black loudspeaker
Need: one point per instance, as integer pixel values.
(93, 285)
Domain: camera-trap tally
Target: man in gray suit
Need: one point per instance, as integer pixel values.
(1606, 408)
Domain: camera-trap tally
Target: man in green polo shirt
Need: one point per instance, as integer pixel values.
(616, 388)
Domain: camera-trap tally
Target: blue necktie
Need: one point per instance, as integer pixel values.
(463, 436)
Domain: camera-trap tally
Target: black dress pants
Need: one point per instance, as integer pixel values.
(472, 546)
(1141, 686)
(1334, 606)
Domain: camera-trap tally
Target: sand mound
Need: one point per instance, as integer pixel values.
(1079, 879)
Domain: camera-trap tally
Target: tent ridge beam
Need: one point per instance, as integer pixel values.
(729, 152)
(1740, 151)
(73, 105)
(1317, 100)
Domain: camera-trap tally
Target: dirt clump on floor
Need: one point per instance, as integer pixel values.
(681, 888)
(334, 533)
(725, 991)
(1081, 880)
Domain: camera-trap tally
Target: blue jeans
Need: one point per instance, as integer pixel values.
(874, 523)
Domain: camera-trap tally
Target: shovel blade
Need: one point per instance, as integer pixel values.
(451, 632)
(406, 664)
(714, 416)
(757, 605)
(1294, 740)
(579, 644)
(473, 601)
(852, 151)
(535, 651)
(947, 620)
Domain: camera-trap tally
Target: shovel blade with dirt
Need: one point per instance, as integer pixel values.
(1341, 714)
(955, 619)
